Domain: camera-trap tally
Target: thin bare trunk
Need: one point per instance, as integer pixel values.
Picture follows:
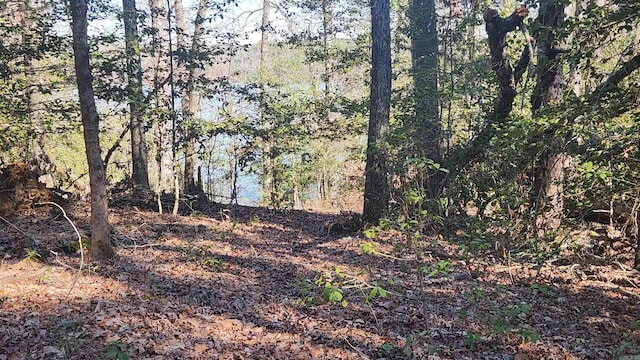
(173, 116)
(268, 162)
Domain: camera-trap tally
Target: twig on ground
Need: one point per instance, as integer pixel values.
(64, 213)
(60, 262)
(134, 246)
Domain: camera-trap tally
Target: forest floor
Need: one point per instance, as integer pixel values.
(250, 283)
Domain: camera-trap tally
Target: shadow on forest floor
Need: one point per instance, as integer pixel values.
(250, 283)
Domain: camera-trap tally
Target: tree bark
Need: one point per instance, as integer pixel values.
(100, 241)
(140, 174)
(376, 188)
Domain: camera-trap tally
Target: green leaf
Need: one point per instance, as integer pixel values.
(371, 233)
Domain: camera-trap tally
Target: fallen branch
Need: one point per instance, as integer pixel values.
(140, 246)
(64, 214)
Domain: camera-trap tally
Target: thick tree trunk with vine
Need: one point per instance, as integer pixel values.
(424, 59)
(376, 187)
(548, 190)
(140, 174)
(100, 242)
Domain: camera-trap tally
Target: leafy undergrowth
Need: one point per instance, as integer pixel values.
(276, 285)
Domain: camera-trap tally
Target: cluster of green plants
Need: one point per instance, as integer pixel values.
(506, 320)
(202, 256)
(337, 287)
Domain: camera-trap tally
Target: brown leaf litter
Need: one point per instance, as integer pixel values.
(249, 286)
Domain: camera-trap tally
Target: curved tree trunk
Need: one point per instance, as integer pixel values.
(497, 29)
(100, 241)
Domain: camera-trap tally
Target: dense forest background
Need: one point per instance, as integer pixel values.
(506, 124)
(319, 179)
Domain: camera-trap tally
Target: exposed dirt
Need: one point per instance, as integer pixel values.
(21, 191)
(249, 283)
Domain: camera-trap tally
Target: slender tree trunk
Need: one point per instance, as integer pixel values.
(192, 108)
(424, 58)
(161, 72)
(100, 241)
(140, 174)
(268, 161)
(234, 171)
(327, 33)
(173, 116)
(376, 187)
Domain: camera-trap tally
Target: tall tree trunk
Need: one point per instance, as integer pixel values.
(549, 170)
(376, 187)
(424, 59)
(268, 161)
(161, 72)
(100, 241)
(327, 33)
(140, 174)
(192, 106)
(323, 109)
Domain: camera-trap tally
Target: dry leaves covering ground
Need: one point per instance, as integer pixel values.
(241, 284)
